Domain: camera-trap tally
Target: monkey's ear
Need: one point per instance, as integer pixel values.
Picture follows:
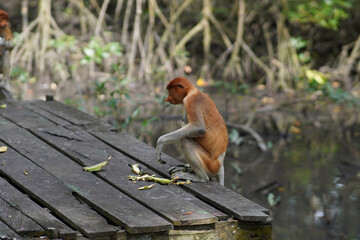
(180, 86)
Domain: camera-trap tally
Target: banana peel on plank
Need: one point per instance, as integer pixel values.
(96, 167)
(152, 178)
(147, 177)
(137, 169)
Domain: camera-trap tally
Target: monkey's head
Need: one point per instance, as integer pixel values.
(4, 19)
(178, 89)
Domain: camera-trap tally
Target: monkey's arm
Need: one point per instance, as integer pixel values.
(190, 130)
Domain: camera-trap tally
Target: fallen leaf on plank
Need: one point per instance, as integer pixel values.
(3, 149)
(96, 167)
(146, 187)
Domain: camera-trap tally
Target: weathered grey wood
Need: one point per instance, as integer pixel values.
(71, 114)
(51, 193)
(161, 199)
(116, 206)
(22, 224)
(211, 192)
(39, 111)
(7, 232)
(24, 118)
(81, 148)
(24, 204)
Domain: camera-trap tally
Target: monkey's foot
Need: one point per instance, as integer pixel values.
(158, 157)
(188, 176)
(180, 168)
(161, 161)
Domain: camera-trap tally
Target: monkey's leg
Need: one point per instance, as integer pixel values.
(220, 176)
(193, 153)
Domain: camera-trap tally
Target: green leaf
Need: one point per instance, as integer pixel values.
(236, 167)
(89, 52)
(96, 167)
(3, 149)
(272, 200)
(235, 137)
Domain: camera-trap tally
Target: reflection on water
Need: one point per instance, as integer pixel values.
(316, 181)
(310, 183)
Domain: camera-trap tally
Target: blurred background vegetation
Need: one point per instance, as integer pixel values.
(287, 69)
(113, 57)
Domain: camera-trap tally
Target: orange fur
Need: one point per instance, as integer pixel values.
(5, 26)
(199, 105)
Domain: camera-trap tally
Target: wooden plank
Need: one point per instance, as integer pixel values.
(22, 224)
(226, 200)
(53, 194)
(178, 191)
(116, 206)
(235, 205)
(166, 202)
(7, 233)
(24, 118)
(33, 107)
(66, 112)
(39, 111)
(72, 115)
(23, 203)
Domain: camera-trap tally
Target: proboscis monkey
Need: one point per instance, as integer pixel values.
(203, 138)
(6, 45)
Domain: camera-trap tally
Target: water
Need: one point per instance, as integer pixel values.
(315, 179)
(309, 181)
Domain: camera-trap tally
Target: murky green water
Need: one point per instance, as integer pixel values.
(310, 181)
(314, 181)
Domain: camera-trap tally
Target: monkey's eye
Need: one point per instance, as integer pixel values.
(180, 86)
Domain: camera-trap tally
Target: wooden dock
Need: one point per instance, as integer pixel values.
(45, 194)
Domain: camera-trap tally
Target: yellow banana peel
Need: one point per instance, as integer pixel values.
(136, 168)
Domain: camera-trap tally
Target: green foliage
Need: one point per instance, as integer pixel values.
(111, 95)
(20, 75)
(298, 42)
(324, 13)
(96, 52)
(232, 87)
(300, 45)
(236, 167)
(146, 123)
(315, 78)
(63, 43)
(272, 200)
(74, 103)
(317, 81)
(339, 95)
(130, 118)
(235, 137)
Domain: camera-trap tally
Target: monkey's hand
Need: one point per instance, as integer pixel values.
(159, 147)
